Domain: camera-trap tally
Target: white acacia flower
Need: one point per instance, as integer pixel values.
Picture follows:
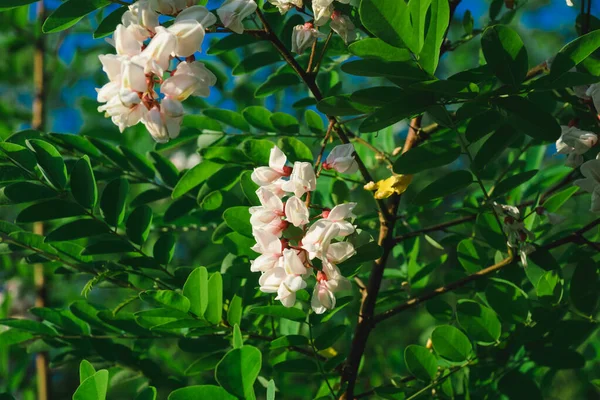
(343, 26)
(158, 52)
(329, 281)
(188, 29)
(190, 78)
(126, 41)
(341, 158)
(269, 215)
(111, 65)
(161, 126)
(302, 179)
(132, 74)
(591, 182)
(303, 36)
(318, 238)
(271, 250)
(322, 13)
(141, 19)
(575, 142)
(296, 212)
(337, 216)
(504, 211)
(525, 250)
(271, 280)
(292, 263)
(233, 12)
(286, 5)
(170, 7)
(122, 115)
(594, 92)
(264, 176)
(286, 293)
(339, 252)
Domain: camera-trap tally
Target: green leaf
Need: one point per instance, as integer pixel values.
(493, 147)
(295, 149)
(194, 177)
(276, 83)
(234, 312)
(445, 186)
(255, 61)
(584, 291)
(150, 196)
(111, 152)
(480, 322)
(237, 341)
(401, 73)
(377, 48)
(518, 386)
(471, 255)
(19, 154)
(428, 155)
(196, 290)
(139, 223)
(83, 183)
(214, 309)
(238, 219)
(113, 200)
(505, 54)
(179, 208)
(149, 393)
(389, 20)
(49, 210)
(439, 309)
(482, 124)
(329, 336)
(86, 369)
(285, 123)
(289, 340)
(557, 357)
(574, 53)
(271, 390)
(230, 42)
(556, 201)
(94, 387)
(108, 247)
(420, 362)
(8, 4)
(529, 119)
(298, 366)
(508, 300)
(238, 370)
(314, 121)
(29, 326)
(513, 182)
(227, 117)
(109, 23)
(402, 108)
(139, 163)
(224, 154)
(293, 314)
(239, 245)
(164, 248)
(78, 229)
(69, 13)
(168, 172)
(258, 150)
(50, 162)
(341, 106)
(259, 117)
(450, 343)
(212, 201)
(11, 337)
(203, 391)
(75, 142)
(166, 298)
(438, 23)
(249, 188)
(549, 287)
(25, 192)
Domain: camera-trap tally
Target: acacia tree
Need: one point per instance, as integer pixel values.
(281, 262)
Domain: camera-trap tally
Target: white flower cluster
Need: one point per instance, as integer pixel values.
(305, 35)
(286, 255)
(515, 230)
(144, 53)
